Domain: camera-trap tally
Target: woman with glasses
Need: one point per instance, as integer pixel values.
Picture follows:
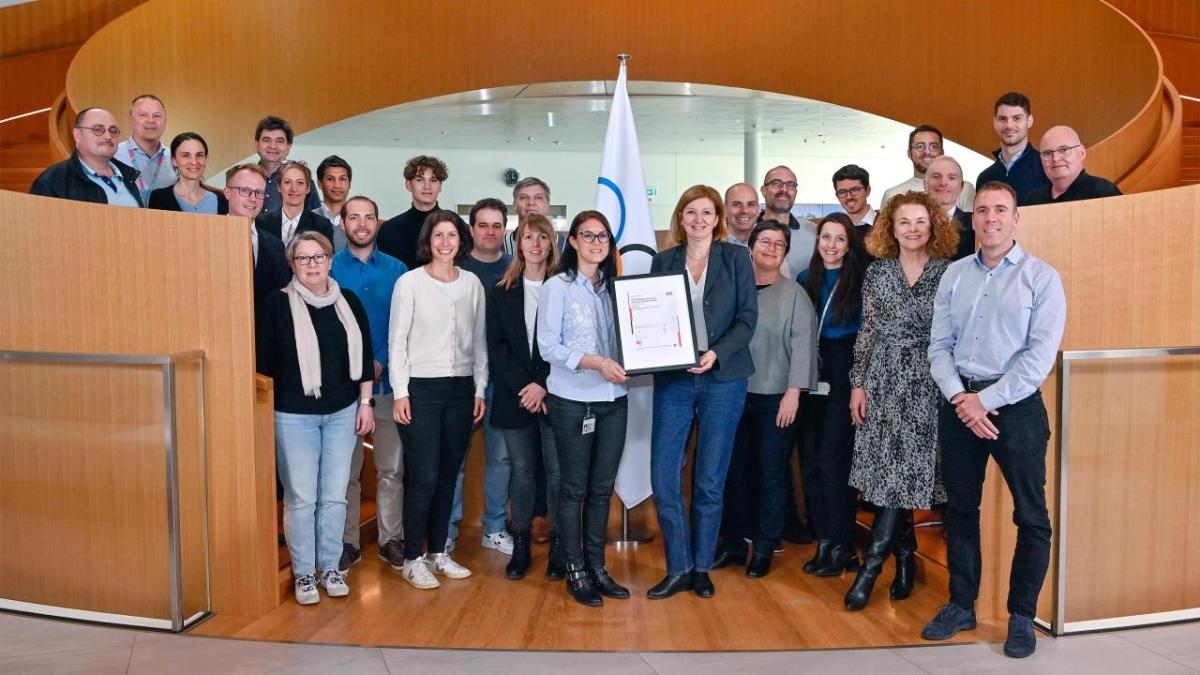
(587, 400)
(438, 365)
(314, 341)
(833, 281)
(784, 353)
(519, 377)
(724, 312)
(295, 182)
(897, 463)
(189, 156)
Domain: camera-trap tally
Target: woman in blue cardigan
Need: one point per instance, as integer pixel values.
(725, 310)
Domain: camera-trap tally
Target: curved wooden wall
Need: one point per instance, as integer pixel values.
(222, 75)
(50, 24)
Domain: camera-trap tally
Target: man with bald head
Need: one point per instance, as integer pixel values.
(91, 174)
(925, 144)
(944, 182)
(779, 196)
(1062, 160)
(741, 212)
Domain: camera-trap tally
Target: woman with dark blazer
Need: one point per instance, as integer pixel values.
(189, 156)
(725, 310)
(295, 182)
(518, 373)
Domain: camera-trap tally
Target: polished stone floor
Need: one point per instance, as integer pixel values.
(32, 645)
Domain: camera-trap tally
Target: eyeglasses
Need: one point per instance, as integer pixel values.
(99, 129)
(777, 244)
(850, 192)
(318, 259)
(922, 147)
(778, 184)
(248, 192)
(589, 237)
(1061, 150)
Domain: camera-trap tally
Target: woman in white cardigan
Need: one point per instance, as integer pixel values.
(437, 352)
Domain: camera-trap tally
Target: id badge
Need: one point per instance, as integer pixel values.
(589, 423)
(822, 389)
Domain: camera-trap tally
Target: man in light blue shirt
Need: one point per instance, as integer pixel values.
(998, 321)
(371, 274)
(144, 149)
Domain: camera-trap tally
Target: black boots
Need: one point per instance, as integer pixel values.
(730, 553)
(556, 567)
(521, 559)
(759, 566)
(579, 585)
(605, 584)
(820, 558)
(906, 557)
(883, 533)
(841, 559)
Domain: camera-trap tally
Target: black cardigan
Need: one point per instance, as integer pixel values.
(511, 365)
(164, 199)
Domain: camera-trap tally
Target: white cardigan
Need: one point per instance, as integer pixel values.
(431, 337)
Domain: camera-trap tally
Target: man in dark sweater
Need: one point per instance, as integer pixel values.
(1062, 160)
(1017, 162)
(423, 177)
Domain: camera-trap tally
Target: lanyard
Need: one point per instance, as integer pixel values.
(828, 302)
(142, 182)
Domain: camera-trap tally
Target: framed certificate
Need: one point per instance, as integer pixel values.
(653, 317)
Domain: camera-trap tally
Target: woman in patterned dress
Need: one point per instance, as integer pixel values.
(894, 399)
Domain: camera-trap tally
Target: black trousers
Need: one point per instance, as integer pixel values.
(435, 445)
(827, 447)
(1020, 452)
(756, 485)
(587, 465)
(528, 448)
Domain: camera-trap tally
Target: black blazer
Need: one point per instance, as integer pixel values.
(510, 364)
(730, 306)
(164, 199)
(271, 272)
(271, 222)
(966, 234)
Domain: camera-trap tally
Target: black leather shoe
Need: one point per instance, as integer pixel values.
(760, 566)
(730, 555)
(606, 585)
(820, 558)
(556, 567)
(670, 585)
(519, 564)
(841, 559)
(703, 585)
(579, 585)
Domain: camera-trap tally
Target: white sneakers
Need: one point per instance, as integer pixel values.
(416, 572)
(334, 583)
(500, 541)
(444, 565)
(306, 590)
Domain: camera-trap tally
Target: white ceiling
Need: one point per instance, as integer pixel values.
(671, 117)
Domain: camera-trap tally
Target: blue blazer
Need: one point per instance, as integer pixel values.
(730, 306)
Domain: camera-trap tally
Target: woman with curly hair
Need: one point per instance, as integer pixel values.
(894, 399)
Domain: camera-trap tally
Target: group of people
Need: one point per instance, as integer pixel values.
(897, 349)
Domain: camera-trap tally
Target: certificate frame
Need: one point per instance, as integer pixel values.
(650, 347)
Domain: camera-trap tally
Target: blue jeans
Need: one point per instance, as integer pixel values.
(496, 474)
(314, 453)
(676, 403)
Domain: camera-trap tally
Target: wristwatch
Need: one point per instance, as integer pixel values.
(367, 401)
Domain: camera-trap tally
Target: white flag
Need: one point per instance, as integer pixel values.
(621, 197)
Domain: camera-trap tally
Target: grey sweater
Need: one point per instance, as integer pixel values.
(784, 346)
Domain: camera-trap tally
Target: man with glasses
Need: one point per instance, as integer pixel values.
(273, 137)
(245, 188)
(91, 174)
(852, 186)
(144, 149)
(1062, 159)
(779, 196)
(1017, 161)
(741, 212)
(925, 144)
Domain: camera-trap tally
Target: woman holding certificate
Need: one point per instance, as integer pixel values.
(587, 400)
(724, 312)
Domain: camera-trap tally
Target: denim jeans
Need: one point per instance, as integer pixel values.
(389, 479)
(718, 405)
(496, 474)
(1020, 452)
(587, 465)
(313, 453)
(525, 447)
(756, 485)
(827, 447)
(435, 443)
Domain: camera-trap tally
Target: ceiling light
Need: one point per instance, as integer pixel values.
(550, 119)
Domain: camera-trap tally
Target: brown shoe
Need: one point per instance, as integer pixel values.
(392, 553)
(541, 530)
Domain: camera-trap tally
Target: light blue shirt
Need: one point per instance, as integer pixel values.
(156, 170)
(573, 321)
(114, 188)
(1001, 324)
(373, 282)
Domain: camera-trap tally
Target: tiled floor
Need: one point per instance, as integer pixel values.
(31, 645)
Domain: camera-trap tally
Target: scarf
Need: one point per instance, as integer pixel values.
(308, 350)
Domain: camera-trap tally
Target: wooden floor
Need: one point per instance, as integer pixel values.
(786, 610)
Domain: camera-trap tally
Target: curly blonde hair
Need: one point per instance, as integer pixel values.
(943, 234)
